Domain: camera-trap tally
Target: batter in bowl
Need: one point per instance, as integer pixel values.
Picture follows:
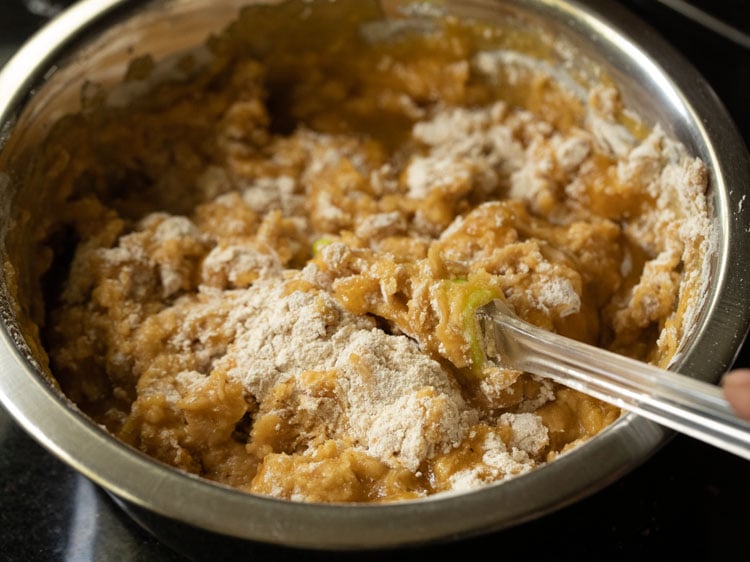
(266, 261)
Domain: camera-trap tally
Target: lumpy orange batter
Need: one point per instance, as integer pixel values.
(276, 257)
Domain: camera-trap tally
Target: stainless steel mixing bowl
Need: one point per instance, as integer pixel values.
(95, 39)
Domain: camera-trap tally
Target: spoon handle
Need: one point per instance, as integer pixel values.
(687, 405)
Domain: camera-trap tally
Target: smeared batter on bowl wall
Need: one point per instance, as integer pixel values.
(268, 255)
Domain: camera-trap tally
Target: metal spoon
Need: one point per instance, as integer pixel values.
(682, 403)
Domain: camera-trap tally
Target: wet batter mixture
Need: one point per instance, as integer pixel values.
(277, 256)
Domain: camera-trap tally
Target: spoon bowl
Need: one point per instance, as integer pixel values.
(690, 406)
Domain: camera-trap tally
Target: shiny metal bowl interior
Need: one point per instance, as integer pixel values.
(95, 39)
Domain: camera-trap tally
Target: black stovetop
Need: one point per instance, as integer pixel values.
(690, 501)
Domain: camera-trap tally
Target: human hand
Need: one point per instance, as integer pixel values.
(736, 387)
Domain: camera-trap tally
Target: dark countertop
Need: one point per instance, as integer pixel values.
(689, 501)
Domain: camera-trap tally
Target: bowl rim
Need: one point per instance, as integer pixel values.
(628, 442)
